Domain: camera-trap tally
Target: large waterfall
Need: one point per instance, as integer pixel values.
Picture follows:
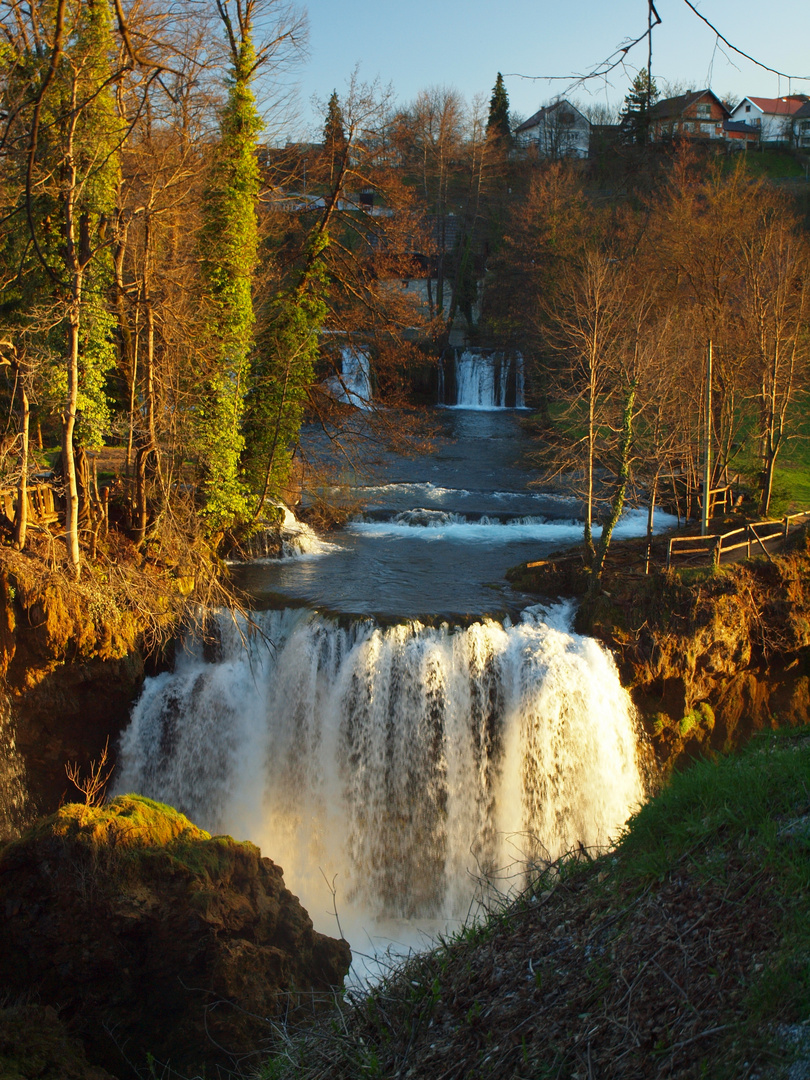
(482, 379)
(402, 763)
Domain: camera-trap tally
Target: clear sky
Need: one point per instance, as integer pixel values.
(413, 44)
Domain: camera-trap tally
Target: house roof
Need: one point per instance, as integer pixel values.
(740, 127)
(534, 121)
(777, 106)
(803, 112)
(676, 106)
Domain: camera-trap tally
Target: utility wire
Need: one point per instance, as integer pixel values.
(740, 52)
(617, 58)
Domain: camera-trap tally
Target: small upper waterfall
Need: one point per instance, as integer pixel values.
(291, 539)
(353, 385)
(401, 762)
(481, 379)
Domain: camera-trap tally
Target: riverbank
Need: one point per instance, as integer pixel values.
(683, 953)
(74, 654)
(710, 656)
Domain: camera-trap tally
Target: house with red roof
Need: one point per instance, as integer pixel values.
(698, 114)
(772, 117)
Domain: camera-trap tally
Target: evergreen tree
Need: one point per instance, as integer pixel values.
(635, 116)
(498, 122)
(335, 142)
(334, 130)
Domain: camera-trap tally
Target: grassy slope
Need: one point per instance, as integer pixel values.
(684, 953)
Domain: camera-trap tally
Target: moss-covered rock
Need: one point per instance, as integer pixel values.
(35, 1045)
(154, 937)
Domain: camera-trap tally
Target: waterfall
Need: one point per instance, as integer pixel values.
(353, 385)
(401, 762)
(292, 539)
(482, 379)
(15, 809)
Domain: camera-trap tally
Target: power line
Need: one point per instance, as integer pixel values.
(619, 55)
(740, 52)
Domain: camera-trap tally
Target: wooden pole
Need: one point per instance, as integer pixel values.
(707, 451)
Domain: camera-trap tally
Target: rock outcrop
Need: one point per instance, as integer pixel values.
(152, 937)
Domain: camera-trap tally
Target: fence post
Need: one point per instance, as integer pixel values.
(787, 525)
(669, 553)
(748, 538)
(716, 551)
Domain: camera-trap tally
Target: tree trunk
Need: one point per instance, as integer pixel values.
(21, 517)
(617, 503)
(68, 426)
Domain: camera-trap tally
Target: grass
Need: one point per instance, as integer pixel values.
(687, 952)
(774, 164)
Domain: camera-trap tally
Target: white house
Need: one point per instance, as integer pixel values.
(801, 127)
(557, 130)
(771, 116)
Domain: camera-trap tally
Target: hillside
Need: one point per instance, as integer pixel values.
(683, 954)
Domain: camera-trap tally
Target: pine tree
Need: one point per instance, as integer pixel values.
(334, 136)
(334, 130)
(635, 116)
(498, 122)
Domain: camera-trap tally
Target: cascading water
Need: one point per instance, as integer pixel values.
(15, 811)
(401, 762)
(291, 539)
(353, 385)
(482, 379)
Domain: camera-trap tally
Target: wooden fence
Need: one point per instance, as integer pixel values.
(752, 538)
(41, 506)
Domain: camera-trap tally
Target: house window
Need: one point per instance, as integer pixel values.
(707, 129)
(748, 108)
(704, 110)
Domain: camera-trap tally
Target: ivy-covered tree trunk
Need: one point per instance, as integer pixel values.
(619, 493)
(65, 153)
(228, 248)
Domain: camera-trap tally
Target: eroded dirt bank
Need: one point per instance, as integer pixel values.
(709, 657)
(72, 660)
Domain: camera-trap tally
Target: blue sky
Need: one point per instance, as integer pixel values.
(413, 44)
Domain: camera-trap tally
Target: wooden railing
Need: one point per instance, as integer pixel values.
(41, 505)
(751, 537)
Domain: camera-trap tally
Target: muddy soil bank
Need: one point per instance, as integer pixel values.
(709, 657)
(72, 661)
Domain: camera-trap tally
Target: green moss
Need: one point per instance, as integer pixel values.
(138, 837)
(660, 722)
(35, 1045)
(700, 718)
